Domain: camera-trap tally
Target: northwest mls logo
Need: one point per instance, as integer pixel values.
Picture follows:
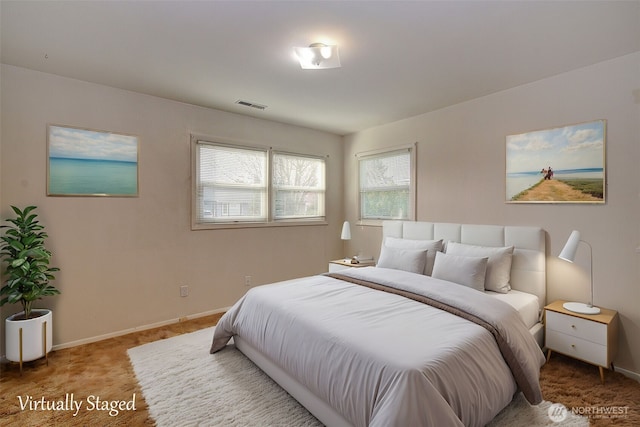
(557, 412)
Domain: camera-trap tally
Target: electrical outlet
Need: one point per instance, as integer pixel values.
(247, 281)
(184, 291)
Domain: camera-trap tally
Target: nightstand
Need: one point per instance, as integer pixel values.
(341, 264)
(592, 338)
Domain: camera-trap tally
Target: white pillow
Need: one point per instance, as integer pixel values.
(463, 270)
(412, 260)
(431, 246)
(498, 267)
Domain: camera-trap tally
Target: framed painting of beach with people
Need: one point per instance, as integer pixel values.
(560, 165)
(84, 162)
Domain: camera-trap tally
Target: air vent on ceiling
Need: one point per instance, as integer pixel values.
(251, 104)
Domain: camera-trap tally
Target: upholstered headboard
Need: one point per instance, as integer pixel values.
(528, 269)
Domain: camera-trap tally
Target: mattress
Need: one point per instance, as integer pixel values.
(527, 305)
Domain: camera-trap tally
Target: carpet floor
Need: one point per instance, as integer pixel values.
(185, 386)
(101, 372)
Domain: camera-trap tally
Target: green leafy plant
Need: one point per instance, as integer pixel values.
(27, 261)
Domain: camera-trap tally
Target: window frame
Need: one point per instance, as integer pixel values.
(271, 220)
(411, 149)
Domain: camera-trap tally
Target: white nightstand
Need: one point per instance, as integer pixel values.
(341, 264)
(592, 338)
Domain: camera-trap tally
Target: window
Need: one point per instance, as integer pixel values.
(232, 184)
(387, 184)
(298, 186)
(251, 185)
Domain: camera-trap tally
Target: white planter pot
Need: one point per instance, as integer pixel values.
(33, 336)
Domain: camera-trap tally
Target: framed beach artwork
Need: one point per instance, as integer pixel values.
(84, 162)
(560, 165)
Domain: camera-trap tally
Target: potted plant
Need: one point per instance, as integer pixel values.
(28, 334)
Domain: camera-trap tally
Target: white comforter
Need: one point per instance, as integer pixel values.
(381, 359)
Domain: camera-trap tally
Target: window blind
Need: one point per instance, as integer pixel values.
(298, 186)
(386, 185)
(240, 184)
(232, 183)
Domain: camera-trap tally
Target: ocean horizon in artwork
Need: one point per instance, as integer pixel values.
(520, 181)
(574, 152)
(70, 176)
(85, 162)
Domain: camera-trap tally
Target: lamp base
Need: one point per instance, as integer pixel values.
(578, 307)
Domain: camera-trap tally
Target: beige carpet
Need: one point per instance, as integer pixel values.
(577, 385)
(98, 369)
(185, 385)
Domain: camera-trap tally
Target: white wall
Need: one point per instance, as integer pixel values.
(122, 259)
(461, 173)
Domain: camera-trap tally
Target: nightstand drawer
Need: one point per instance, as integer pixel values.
(577, 327)
(577, 347)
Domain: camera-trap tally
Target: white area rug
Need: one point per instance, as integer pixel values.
(185, 385)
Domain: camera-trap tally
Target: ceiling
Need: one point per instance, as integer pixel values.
(399, 59)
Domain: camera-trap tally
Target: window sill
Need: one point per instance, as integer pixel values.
(229, 225)
(378, 222)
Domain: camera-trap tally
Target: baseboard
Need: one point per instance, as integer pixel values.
(630, 374)
(137, 329)
(97, 338)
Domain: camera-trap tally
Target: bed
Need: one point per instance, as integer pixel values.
(404, 343)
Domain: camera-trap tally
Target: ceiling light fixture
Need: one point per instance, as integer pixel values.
(318, 56)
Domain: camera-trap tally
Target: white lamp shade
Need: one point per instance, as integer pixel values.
(346, 231)
(570, 248)
(569, 254)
